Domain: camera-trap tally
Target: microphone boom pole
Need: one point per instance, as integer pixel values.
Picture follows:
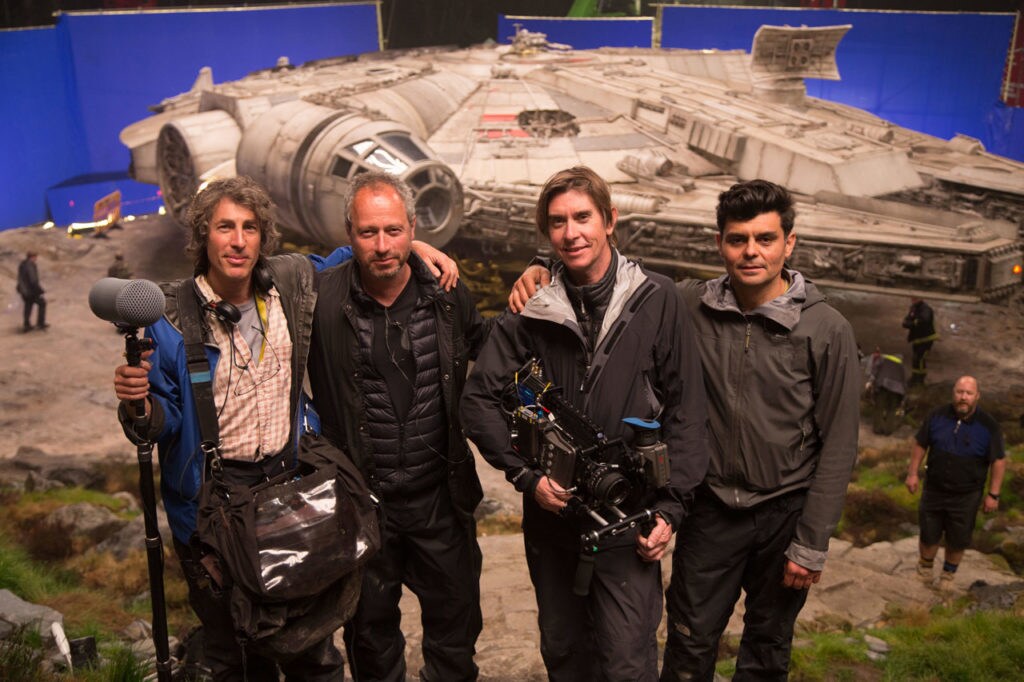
(134, 347)
(131, 304)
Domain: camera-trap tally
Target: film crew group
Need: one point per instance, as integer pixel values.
(388, 363)
(964, 445)
(782, 379)
(222, 390)
(607, 341)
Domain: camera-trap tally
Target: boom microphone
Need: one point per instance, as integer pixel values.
(127, 302)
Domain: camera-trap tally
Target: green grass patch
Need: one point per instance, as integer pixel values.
(27, 578)
(978, 646)
(833, 656)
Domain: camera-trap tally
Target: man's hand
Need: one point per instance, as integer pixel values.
(533, 278)
(798, 577)
(550, 495)
(132, 383)
(912, 483)
(440, 265)
(652, 547)
(990, 504)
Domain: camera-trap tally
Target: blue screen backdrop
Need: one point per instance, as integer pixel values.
(69, 90)
(937, 72)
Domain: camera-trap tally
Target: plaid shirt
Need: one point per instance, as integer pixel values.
(252, 399)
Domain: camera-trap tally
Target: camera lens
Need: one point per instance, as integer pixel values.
(608, 486)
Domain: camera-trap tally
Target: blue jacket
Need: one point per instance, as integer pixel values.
(174, 424)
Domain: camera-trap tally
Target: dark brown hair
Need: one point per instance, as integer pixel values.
(243, 191)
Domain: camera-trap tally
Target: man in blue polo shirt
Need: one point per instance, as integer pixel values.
(963, 443)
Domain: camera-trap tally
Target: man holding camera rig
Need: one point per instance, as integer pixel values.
(256, 312)
(616, 340)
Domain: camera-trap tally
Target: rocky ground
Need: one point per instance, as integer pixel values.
(56, 397)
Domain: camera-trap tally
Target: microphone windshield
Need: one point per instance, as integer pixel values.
(127, 302)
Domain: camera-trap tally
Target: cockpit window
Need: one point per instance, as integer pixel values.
(404, 145)
(386, 161)
(360, 148)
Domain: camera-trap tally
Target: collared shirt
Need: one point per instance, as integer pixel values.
(252, 398)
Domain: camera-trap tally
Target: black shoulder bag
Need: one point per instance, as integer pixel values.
(290, 545)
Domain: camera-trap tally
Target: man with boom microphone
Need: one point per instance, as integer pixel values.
(257, 314)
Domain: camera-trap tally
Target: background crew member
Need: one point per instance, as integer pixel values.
(965, 446)
(887, 388)
(920, 326)
(31, 292)
(617, 342)
(258, 367)
(388, 362)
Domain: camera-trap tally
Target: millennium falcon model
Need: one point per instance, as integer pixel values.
(477, 131)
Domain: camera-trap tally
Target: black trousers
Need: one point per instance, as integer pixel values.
(609, 635)
(919, 361)
(38, 301)
(224, 656)
(885, 416)
(718, 551)
(427, 548)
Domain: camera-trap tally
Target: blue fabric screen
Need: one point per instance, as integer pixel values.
(938, 73)
(583, 34)
(78, 85)
(42, 140)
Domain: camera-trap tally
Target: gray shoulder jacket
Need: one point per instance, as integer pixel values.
(783, 384)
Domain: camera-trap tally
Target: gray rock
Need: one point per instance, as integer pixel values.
(138, 629)
(875, 656)
(77, 477)
(84, 520)
(132, 537)
(35, 482)
(130, 503)
(15, 612)
(879, 646)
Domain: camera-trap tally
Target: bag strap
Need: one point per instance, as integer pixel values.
(199, 370)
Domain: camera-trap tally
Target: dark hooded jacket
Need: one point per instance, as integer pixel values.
(783, 384)
(645, 364)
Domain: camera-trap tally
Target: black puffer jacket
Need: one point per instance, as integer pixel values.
(405, 456)
(344, 396)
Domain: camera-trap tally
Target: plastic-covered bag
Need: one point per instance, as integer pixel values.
(284, 542)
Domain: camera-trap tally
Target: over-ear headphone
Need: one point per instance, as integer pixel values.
(261, 277)
(224, 311)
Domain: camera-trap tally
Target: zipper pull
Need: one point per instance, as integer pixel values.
(746, 341)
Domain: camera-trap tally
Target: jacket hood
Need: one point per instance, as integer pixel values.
(785, 309)
(552, 302)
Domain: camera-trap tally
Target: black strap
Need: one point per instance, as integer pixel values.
(198, 368)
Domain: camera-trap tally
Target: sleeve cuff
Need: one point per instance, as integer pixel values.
(811, 559)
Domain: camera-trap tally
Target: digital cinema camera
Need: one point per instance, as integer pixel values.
(601, 473)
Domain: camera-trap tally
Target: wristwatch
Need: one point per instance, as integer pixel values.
(994, 496)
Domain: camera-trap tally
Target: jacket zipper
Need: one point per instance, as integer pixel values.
(736, 410)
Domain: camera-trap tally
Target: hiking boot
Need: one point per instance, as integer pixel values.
(925, 573)
(43, 326)
(946, 581)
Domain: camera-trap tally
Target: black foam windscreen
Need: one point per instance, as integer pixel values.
(128, 302)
